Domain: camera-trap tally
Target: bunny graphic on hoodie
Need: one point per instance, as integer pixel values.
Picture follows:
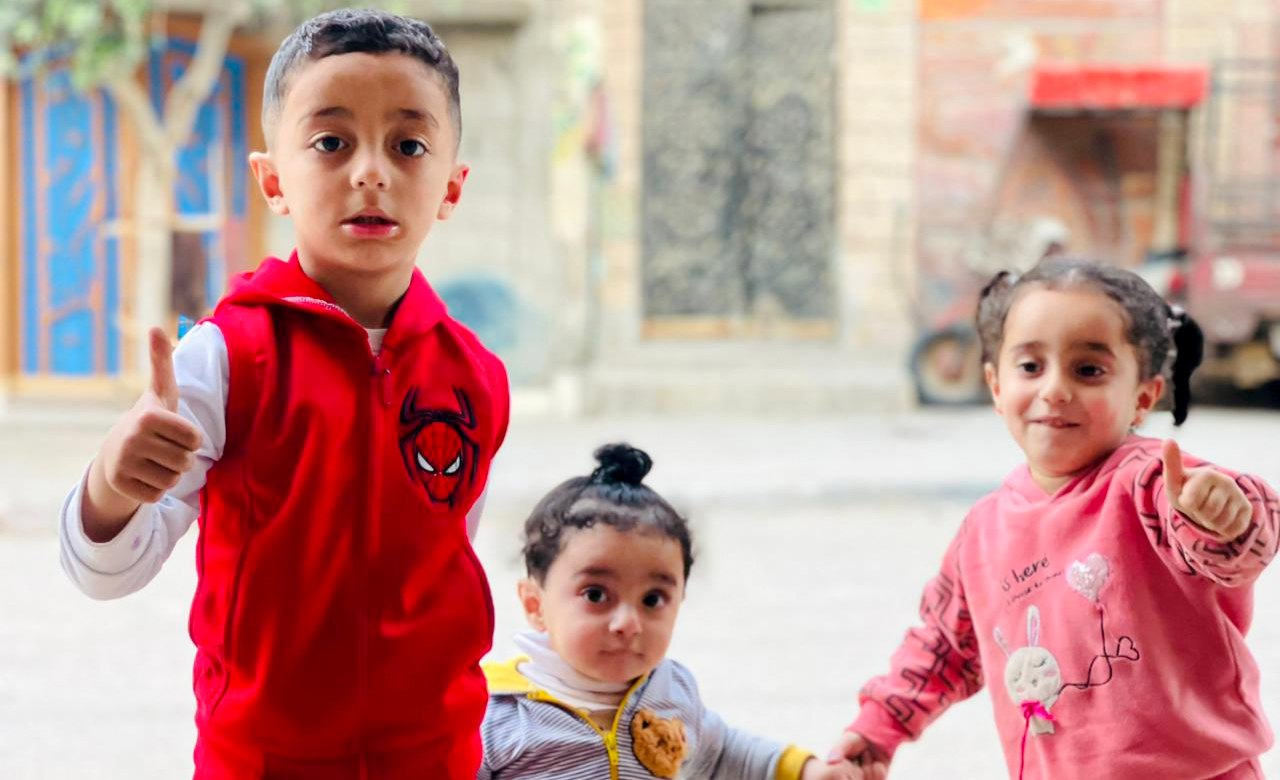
(1032, 674)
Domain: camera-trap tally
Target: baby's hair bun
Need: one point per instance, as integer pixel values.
(621, 463)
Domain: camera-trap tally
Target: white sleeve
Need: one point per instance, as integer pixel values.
(124, 564)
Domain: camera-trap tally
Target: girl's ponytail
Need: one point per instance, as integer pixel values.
(1188, 346)
(993, 307)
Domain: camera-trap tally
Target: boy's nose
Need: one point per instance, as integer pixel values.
(369, 174)
(370, 182)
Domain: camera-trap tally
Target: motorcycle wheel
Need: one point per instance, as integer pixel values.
(946, 368)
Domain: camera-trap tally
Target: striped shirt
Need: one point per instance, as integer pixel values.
(528, 735)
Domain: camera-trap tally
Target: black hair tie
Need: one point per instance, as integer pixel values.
(621, 463)
(1188, 345)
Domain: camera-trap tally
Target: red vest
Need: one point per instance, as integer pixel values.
(341, 613)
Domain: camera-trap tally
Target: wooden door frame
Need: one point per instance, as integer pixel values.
(9, 260)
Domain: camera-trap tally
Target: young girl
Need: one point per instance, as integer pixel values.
(593, 697)
(1106, 586)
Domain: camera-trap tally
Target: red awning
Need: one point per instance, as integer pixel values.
(1117, 88)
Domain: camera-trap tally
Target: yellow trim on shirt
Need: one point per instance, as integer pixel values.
(506, 678)
(791, 763)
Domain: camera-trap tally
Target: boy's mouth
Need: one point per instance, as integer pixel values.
(369, 219)
(370, 224)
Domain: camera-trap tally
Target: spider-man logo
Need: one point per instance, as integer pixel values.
(436, 448)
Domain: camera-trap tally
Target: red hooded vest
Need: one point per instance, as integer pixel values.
(341, 613)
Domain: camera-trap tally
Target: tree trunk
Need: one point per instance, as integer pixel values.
(161, 135)
(153, 229)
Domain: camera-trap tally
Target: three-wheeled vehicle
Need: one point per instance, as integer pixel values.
(1105, 165)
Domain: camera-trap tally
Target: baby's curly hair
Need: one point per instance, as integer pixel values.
(614, 495)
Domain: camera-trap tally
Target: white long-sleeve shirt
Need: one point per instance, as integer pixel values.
(124, 564)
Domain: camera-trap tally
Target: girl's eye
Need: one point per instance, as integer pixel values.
(1028, 366)
(412, 148)
(329, 144)
(655, 599)
(594, 595)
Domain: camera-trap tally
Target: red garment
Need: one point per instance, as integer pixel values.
(341, 613)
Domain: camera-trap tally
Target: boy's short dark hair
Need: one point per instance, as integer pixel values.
(355, 30)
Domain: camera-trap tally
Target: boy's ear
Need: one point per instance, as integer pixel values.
(1149, 392)
(264, 170)
(993, 384)
(530, 593)
(453, 191)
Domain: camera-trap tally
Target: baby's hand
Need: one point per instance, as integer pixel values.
(868, 762)
(1211, 499)
(845, 770)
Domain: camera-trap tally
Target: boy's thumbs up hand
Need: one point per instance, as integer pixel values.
(153, 445)
(1209, 498)
(164, 385)
(144, 454)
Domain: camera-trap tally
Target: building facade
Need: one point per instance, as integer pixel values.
(675, 204)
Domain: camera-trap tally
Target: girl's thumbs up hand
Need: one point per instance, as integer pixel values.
(1208, 498)
(144, 454)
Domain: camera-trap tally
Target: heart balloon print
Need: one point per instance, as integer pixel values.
(1088, 577)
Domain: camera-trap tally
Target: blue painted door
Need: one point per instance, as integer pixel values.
(69, 277)
(70, 286)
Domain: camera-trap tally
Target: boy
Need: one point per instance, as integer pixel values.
(337, 427)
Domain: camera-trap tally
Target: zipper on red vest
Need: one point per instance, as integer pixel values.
(380, 398)
(383, 374)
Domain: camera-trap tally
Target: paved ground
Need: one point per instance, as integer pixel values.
(815, 536)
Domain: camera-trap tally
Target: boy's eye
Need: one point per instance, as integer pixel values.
(1028, 366)
(1090, 371)
(595, 595)
(655, 599)
(412, 148)
(329, 144)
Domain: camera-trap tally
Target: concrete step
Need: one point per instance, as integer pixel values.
(768, 379)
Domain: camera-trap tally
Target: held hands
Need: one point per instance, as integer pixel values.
(1211, 499)
(853, 750)
(815, 769)
(144, 454)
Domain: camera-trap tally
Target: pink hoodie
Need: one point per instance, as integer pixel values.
(1112, 622)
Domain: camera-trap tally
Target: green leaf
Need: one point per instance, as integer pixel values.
(80, 20)
(27, 31)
